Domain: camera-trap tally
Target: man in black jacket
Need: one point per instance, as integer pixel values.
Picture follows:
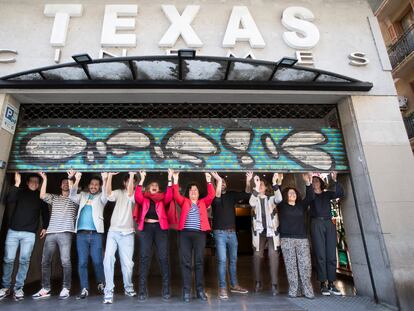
(23, 226)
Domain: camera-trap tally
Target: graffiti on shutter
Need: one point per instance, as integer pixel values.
(58, 148)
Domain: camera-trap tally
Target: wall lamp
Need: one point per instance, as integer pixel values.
(82, 58)
(287, 61)
(186, 53)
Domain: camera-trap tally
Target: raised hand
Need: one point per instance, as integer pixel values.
(71, 173)
(208, 177)
(249, 176)
(216, 176)
(170, 173)
(277, 179)
(17, 179)
(257, 181)
(42, 175)
(104, 175)
(307, 177)
(142, 174)
(112, 173)
(78, 176)
(176, 176)
(334, 176)
(131, 173)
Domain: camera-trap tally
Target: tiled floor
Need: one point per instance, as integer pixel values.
(262, 301)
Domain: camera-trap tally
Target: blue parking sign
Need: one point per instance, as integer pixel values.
(9, 119)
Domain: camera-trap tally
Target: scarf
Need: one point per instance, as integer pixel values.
(270, 230)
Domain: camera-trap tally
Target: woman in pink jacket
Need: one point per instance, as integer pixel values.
(193, 226)
(150, 214)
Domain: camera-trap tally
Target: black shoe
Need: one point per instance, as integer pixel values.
(201, 294)
(186, 297)
(142, 294)
(166, 293)
(275, 292)
(333, 290)
(325, 291)
(258, 287)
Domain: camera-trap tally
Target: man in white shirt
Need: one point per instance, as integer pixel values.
(120, 236)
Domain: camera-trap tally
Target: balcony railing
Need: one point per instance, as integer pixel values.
(402, 48)
(409, 125)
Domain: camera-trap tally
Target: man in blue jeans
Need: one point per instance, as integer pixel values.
(89, 227)
(24, 224)
(224, 226)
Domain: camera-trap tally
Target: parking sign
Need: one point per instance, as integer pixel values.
(9, 118)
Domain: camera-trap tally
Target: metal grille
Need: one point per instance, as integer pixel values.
(172, 111)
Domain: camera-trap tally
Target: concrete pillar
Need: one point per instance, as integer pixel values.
(382, 173)
(6, 140)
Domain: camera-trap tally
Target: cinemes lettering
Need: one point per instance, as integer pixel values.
(119, 30)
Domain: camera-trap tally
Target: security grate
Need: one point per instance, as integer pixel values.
(173, 111)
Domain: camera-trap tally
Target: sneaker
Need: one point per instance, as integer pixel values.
(223, 293)
(275, 291)
(84, 293)
(101, 288)
(333, 290)
(130, 293)
(325, 291)
(310, 296)
(41, 294)
(238, 290)
(258, 287)
(64, 294)
(18, 294)
(108, 298)
(4, 292)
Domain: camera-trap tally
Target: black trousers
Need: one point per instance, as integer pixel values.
(153, 234)
(192, 242)
(324, 247)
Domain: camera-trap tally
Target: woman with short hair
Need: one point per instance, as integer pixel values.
(192, 226)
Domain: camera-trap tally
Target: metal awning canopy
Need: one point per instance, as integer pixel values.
(178, 72)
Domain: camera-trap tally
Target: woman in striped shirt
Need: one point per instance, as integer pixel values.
(193, 225)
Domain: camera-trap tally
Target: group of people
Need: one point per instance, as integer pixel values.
(278, 222)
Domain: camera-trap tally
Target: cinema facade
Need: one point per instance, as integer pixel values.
(290, 86)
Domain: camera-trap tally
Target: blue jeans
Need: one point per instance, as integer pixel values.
(89, 244)
(124, 243)
(226, 241)
(26, 242)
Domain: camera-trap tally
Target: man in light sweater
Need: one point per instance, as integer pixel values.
(120, 236)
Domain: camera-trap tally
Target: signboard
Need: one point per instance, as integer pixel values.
(9, 120)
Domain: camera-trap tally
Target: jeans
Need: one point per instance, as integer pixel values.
(226, 241)
(153, 234)
(124, 243)
(192, 241)
(89, 244)
(63, 241)
(324, 246)
(26, 242)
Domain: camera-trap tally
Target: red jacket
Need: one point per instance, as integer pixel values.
(203, 204)
(142, 205)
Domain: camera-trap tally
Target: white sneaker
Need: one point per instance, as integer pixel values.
(84, 293)
(4, 292)
(130, 293)
(64, 294)
(108, 298)
(18, 294)
(41, 294)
